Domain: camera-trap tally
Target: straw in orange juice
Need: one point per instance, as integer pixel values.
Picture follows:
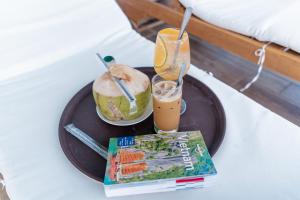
(166, 42)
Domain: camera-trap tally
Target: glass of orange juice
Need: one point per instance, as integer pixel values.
(167, 59)
(170, 54)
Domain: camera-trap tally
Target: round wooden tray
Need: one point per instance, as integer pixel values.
(204, 112)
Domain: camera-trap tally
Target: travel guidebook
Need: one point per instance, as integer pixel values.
(156, 163)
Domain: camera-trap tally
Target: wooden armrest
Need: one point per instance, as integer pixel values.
(285, 63)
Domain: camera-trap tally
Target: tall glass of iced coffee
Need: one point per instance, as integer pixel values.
(166, 104)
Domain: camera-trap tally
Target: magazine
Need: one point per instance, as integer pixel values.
(157, 162)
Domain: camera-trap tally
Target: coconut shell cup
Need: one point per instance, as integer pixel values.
(110, 100)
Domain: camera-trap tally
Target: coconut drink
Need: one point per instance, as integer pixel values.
(109, 98)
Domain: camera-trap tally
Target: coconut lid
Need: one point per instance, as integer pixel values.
(135, 80)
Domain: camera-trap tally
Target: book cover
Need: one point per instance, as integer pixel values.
(134, 159)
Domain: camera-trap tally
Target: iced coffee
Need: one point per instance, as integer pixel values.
(166, 104)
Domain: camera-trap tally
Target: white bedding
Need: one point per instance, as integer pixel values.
(37, 33)
(258, 159)
(270, 20)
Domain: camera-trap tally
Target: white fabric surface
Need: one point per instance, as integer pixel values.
(37, 33)
(269, 20)
(258, 159)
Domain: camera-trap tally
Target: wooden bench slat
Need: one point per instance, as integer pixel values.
(285, 63)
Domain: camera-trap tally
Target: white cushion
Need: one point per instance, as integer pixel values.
(271, 20)
(258, 159)
(35, 33)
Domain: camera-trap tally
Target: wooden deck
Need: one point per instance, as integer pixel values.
(277, 93)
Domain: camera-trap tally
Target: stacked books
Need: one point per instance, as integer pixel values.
(157, 163)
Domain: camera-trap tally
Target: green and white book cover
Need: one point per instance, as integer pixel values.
(144, 158)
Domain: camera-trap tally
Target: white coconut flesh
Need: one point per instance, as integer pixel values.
(107, 90)
(135, 80)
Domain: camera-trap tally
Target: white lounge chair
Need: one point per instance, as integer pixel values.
(48, 54)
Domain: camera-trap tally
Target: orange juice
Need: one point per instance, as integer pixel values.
(165, 63)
